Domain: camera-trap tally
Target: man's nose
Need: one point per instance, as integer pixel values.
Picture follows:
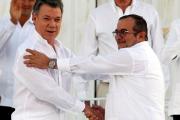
(117, 36)
(52, 23)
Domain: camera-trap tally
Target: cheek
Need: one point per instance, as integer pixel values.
(41, 27)
(58, 27)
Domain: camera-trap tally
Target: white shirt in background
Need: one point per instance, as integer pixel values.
(170, 56)
(11, 36)
(98, 38)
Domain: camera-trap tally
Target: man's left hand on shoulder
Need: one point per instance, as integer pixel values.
(36, 59)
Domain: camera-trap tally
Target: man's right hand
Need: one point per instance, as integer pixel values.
(15, 10)
(89, 113)
(94, 113)
(99, 111)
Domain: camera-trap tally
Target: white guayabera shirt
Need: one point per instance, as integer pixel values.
(11, 36)
(137, 90)
(170, 56)
(43, 94)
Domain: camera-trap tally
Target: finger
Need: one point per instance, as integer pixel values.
(29, 65)
(13, 1)
(87, 115)
(93, 118)
(33, 65)
(29, 57)
(16, 2)
(33, 52)
(29, 61)
(19, 5)
(95, 106)
(26, 62)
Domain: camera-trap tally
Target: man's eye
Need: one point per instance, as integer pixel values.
(46, 18)
(123, 31)
(57, 20)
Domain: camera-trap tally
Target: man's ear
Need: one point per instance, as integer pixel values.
(34, 15)
(141, 36)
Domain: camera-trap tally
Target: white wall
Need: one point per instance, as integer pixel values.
(4, 7)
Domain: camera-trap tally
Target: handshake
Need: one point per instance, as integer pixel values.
(94, 113)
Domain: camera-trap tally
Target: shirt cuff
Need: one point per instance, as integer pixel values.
(81, 95)
(79, 106)
(63, 64)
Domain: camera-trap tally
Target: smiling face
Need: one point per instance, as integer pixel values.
(48, 22)
(131, 29)
(126, 36)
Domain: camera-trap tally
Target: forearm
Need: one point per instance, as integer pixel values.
(115, 64)
(7, 28)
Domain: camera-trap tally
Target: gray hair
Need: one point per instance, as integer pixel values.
(51, 3)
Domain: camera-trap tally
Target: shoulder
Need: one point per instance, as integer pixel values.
(29, 42)
(146, 6)
(102, 9)
(147, 11)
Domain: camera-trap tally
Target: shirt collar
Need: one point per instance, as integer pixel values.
(141, 43)
(29, 21)
(44, 41)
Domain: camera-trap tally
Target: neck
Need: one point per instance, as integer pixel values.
(51, 42)
(123, 4)
(23, 20)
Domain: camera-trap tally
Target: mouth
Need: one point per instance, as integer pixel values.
(121, 41)
(51, 32)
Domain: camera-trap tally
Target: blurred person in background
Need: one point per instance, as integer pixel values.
(13, 32)
(171, 57)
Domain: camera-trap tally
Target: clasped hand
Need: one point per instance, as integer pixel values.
(94, 113)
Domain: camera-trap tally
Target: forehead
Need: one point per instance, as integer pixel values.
(127, 23)
(50, 11)
(28, 1)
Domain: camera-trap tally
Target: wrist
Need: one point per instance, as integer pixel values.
(52, 64)
(86, 108)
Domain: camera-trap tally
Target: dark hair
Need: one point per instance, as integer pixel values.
(52, 3)
(140, 23)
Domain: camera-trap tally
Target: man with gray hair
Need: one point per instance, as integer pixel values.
(13, 31)
(43, 94)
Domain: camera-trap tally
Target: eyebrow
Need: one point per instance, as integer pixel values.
(59, 17)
